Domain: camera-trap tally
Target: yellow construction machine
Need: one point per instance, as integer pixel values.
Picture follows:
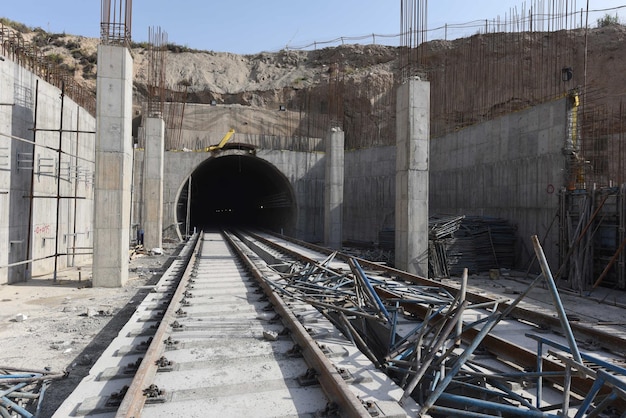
(223, 142)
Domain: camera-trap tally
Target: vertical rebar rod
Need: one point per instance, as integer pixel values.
(58, 195)
(29, 245)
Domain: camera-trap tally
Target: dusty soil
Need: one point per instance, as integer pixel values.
(69, 323)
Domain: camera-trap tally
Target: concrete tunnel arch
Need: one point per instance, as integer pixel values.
(236, 190)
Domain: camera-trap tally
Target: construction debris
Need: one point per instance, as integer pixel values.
(473, 242)
(22, 390)
(432, 342)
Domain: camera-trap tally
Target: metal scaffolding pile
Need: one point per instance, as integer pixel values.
(430, 342)
(473, 242)
(22, 391)
(592, 238)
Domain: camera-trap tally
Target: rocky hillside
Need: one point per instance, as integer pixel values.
(228, 78)
(353, 85)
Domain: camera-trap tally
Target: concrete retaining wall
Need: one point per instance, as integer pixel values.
(369, 193)
(511, 167)
(30, 231)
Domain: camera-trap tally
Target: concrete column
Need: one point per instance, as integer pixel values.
(333, 189)
(114, 157)
(412, 148)
(153, 183)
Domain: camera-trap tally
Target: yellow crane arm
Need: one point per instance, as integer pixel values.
(223, 142)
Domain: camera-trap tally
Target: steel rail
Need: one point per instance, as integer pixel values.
(328, 376)
(134, 400)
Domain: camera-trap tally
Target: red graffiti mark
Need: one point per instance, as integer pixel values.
(42, 229)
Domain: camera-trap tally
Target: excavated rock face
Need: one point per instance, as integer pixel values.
(350, 86)
(353, 86)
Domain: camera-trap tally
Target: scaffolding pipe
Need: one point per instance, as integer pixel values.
(360, 274)
(450, 326)
(556, 299)
(509, 410)
(462, 294)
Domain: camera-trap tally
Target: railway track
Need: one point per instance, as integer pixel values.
(252, 325)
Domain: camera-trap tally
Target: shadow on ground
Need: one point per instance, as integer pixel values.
(81, 364)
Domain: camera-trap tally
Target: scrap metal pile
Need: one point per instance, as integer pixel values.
(430, 342)
(22, 390)
(473, 242)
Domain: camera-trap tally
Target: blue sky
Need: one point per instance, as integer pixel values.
(251, 26)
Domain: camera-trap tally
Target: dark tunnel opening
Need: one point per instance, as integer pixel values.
(237, 191)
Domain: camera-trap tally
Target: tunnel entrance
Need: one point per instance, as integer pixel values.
(236, 191)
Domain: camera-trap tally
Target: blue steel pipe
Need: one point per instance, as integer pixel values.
(13, 389)
(502, 392)
(540, 371)
(426, 362)
(394, 324)
(493, 406)
(7, 403)
(451, 412)
(370, 289)
(468, 352)
(596, 360)
(19, 376)
(597, 385)
(603, 405)
(42, 392)
(567, 329)
(416, 330)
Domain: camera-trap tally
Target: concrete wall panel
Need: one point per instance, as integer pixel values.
(515, 174)
(23, 164)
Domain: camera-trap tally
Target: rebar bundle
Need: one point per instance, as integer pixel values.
(156, 71)
(116, 19)
(30, 57)
(413, 31)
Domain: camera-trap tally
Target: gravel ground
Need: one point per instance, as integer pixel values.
(65, 326)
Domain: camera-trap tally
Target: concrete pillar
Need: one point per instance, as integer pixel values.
(114, 157)
(412, 149)
(333, 189)
(153, 183)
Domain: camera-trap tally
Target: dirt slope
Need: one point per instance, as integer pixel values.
(355, 83)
